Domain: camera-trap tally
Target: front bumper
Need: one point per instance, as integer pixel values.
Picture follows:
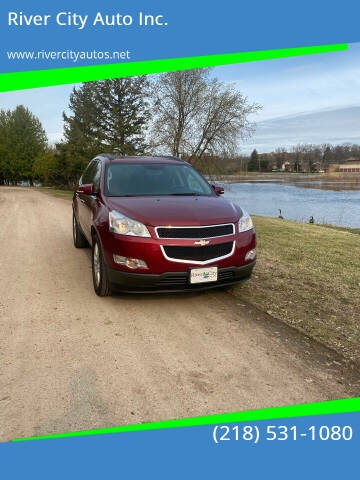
(174, 281)
(150, 251)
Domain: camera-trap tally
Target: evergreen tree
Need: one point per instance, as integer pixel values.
(106, 116)
(327, 156)
(254, 164)
(83, 139)
(28, 140)
(124, 114)
(5, 149)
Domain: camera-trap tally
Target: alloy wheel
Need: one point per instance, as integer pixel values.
(97, 272)
(74, 229)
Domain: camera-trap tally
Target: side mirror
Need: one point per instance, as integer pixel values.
(87, 189)
(219, 190)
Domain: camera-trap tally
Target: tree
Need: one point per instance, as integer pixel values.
(49, 168)
(264, 164)
(327, 155)
(254, 162)
(109, 115)
(124, 114)
(22, 140)
(6, 155)
(281, 157)
(28, 141)
(298, 157)
(177, 101)
(83, 138)
(196, 115)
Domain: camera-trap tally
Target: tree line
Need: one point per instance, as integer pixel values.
(303, 157)
(299, 158)
(186, 113)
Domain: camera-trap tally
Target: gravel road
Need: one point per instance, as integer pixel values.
(70, 360)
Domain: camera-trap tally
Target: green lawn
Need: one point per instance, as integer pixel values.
(57, 192)
(309, 277)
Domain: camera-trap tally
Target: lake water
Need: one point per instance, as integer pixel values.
(336, 206)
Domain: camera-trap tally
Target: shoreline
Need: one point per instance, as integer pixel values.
(69, 194)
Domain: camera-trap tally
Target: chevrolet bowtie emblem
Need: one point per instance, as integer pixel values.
(202, 243)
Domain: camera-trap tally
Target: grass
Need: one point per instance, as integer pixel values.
(309, 277)
(57, 192)
(343, 229)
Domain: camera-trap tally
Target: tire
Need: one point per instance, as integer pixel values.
(78, 237)
(101, 283)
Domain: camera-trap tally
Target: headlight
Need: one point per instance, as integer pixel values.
(118, 223)
(245, 222)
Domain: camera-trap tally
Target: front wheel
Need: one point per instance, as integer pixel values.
(100, 280)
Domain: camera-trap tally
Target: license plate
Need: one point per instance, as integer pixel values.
(203, 275)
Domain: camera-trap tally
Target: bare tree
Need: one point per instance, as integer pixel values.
(177, 102)
(281, 156)
(196, 115)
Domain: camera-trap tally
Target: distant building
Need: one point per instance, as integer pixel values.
(352, 165)
(316, 167)
(287, 167)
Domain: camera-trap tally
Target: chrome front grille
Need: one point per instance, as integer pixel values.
(195, 232)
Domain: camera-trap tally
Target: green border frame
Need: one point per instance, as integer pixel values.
(61, 76)
(347, 405)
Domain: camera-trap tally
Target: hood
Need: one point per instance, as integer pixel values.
(176, 210)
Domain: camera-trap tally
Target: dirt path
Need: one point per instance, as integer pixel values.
(70, 360)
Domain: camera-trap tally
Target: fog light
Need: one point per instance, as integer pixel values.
(251, 254)
(129, 262)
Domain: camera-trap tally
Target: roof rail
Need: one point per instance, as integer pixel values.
(110, 156)
(170, 157)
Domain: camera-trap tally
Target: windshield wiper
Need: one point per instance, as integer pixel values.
(155, 194)
(186, 194)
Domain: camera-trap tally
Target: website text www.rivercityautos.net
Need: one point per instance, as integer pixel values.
(72, 55)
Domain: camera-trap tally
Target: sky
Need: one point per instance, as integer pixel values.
(296, 92)
(308, 99)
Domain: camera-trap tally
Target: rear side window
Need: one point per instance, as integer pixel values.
(92, 174)
(97, 177)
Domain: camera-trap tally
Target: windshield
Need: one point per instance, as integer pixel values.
(140, 179)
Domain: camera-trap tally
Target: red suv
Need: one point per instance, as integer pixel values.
(155, 224)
